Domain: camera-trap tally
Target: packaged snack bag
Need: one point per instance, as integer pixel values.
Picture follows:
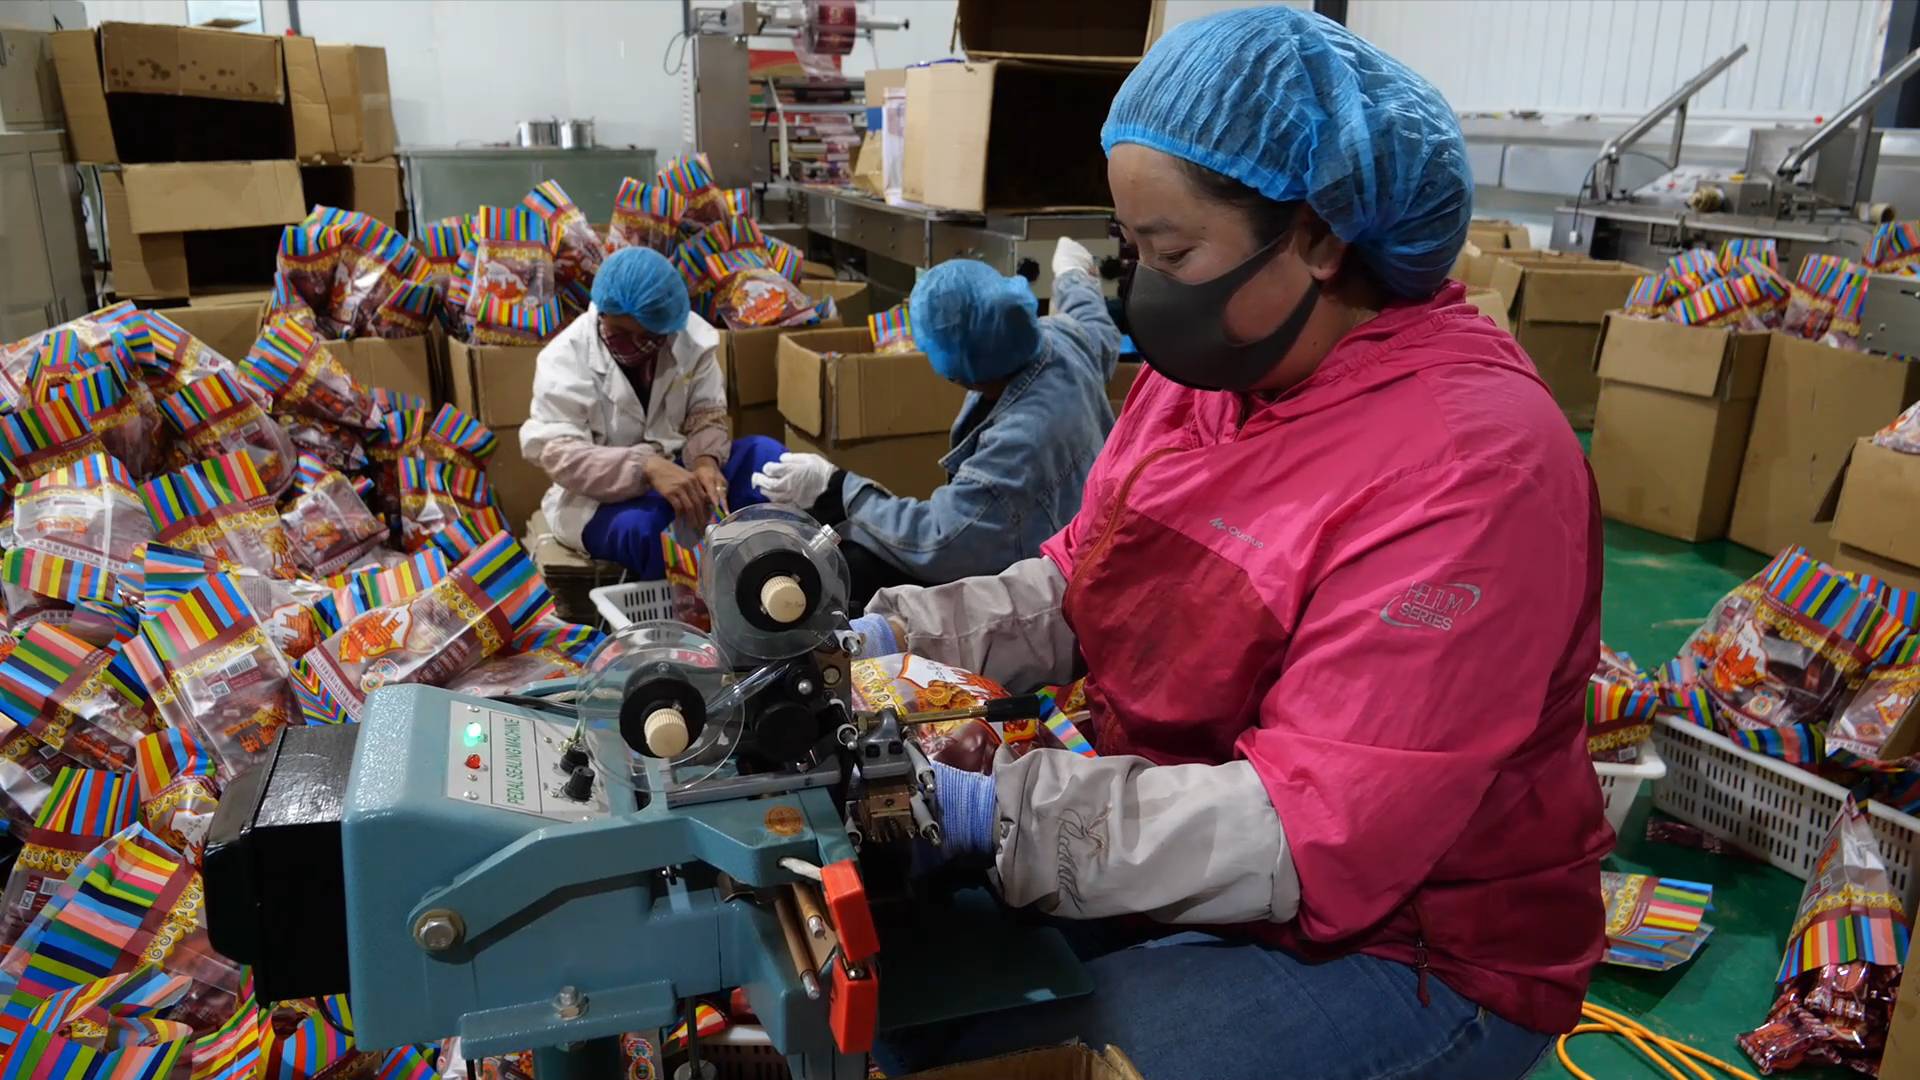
(1872, 739)
(82, 700)
(908, 684)
(213, 671)
(1895, 248)
(44, 436)
(1693, 268)
(1654, 923)
(337, 446)
(471, 614)
(1843, 960)
(84, 807)
(222, 508)
(308, 266)
(1750, 297)
(1826, 299)
(382, 585)
(540, 654)
(682, 559)
(1779, 651)
(747, 294)
(101, 624)
(1903, 434)
(577, 252)
(458, 539)
(121, 411)
(645, 215)
(27, 769)
(86, 515)
(513, 299)
(1736, 251)
(178, 790)
(691, 178)
(436, 494)
(891, 330)
(215, 416)
(180, 358)
(1620, 706)
(286, 609)
(331, 528)
(785, 258)
(292, 365)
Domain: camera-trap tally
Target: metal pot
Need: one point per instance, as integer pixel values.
(576, 134)
(539, 133)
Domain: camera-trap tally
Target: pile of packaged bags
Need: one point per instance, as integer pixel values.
(197, 550)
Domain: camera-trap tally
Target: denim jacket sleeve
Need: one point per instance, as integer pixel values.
(962, 530)
(1083, 331)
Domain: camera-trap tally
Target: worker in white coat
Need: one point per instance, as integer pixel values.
(629, 419)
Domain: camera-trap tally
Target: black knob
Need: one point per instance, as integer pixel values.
(579, 785)
(1029, 269)
(573, 758)
(1111, 267)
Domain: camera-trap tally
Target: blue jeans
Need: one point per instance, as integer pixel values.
(1195, 1005)
(629, 532)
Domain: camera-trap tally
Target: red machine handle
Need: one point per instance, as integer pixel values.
(852, 918)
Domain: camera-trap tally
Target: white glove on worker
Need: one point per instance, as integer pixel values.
(1071, 254)
(795, 480)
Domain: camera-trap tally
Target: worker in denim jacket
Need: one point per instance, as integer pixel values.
(1035, 419)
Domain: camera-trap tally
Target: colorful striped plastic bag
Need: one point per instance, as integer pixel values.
(435, 495)
(1621, 702)
(645, 215)
(294, 366)
(481, 606)
(223, 508)
(559, 652)
(1903, 434)
(82, 700)
(84, 807)
(892, 330)
(329, 524)
(44, 436)
(75, 529)
(179, 790)
(215, 416)
(577, 252)
(27, 769)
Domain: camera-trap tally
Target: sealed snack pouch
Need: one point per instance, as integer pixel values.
(681, 556)
(1827, 288)
(437, 494)
(1621, 703)
(1654, 923)
(891, 330)
(645, 215)
(473, 613)
(102, 624)
(331, 528)
(1895, 248)
(908, 684)
(213, 671)
(179, 790)
(86, 515)
(180, 358)
(1738, 250)
(1780, 650)
(222, 508)
(307, 267)
(43, 437)
(84, 807)
(215, 416)
(15, 360)
(513, 298)
(456, 437)
(27, 769)
(121, 411)
(1876, 735)
(577, 252)
(785, 258)
(1693, 268)
(303, 377)
(1843, 960)
(1903, 434)
(458, 539)
(82, 700)
(691, 178)
(335, 445)
(1750, 297)
(542, 653)
(288, 609)
(747, 294)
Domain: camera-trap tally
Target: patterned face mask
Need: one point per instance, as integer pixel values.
(631, 349)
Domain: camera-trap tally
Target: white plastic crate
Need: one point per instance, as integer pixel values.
(1769, 807)
(635, 601)
(1620, 782)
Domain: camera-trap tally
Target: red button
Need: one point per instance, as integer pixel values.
(473, 761)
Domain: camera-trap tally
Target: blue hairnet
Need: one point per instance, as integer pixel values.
(641, 283)
(1295, 107)
(974, 325)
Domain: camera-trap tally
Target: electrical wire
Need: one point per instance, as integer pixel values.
(1602, 1020)
(1586, 181)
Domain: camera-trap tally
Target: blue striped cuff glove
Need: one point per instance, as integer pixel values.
(966, 811)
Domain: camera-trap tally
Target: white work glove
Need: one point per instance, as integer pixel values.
(795, 480)
(1071, 254)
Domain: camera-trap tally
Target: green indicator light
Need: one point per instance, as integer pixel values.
(476, 733)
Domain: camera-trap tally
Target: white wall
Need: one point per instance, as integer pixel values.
(1620, 57)
(272, 12)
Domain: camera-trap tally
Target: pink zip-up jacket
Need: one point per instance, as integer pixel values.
(1374, 600)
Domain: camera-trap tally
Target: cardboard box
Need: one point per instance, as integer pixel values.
(141, 92)
(195, 196)
(358, 97)
(813, 271)
(1675, 406)
(519, 484)
(370, 187)
(878, 80)
(1556, 304)
(1902, 1054)
(492, 383)
(229, 329)
(905, 465)
(1006, 135)
(1073, 1062)
(748, 360)
(1498, 234)
(1115, 32)
(174, 265)
(403, 364)
(757, 420)
(29, 90)
(1854, 560)
(851, 299)
(307, 99)
(858, 393)
(1875, 505)
(1814, 402)
(1491, 304)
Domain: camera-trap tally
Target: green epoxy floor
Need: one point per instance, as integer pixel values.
(1657, 591)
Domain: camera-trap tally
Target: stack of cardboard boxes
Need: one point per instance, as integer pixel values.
(1555, 304)
(885, 416)
(201, 134)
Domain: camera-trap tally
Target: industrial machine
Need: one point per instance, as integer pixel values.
(698, 813)
(1808, 188)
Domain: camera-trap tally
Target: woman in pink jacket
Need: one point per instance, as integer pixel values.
(1336, 589)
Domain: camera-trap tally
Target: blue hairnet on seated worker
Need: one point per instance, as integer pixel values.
(1295, 107)
(975, 325)
(642, 284)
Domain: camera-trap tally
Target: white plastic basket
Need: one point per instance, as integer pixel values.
(1770, 807)
(1620, 782)
(632, 602)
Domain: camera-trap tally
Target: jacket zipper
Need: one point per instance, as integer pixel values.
(1420, 954)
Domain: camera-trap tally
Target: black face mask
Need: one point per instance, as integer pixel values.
(1181, 329)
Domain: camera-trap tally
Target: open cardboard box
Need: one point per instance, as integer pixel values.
(1670, 431)
(1112, 32)
(1498, 234)
(1556, 303)
(372, 188)
(140, 92)
(1815, 401)
(1008, 135)
(229, 329)
(192, 229)
(359, 101)
(1075, 1062)
(835, 387)
(1874, 504)
(492, 383)
(749, 360)
(404, 364)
